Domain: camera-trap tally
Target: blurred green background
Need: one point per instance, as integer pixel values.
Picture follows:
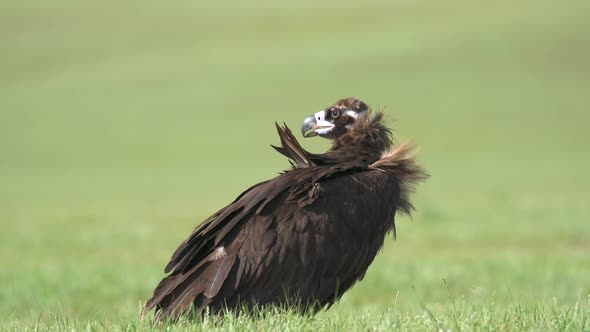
(123, 124)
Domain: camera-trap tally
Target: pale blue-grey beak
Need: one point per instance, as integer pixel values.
(315, 125)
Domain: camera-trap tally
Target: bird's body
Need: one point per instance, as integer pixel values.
(303, 238)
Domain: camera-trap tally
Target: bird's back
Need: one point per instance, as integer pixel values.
(288, 254)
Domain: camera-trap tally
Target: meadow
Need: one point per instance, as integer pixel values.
(125, 124)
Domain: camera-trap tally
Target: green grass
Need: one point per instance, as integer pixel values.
(124, 124)
(468, 317)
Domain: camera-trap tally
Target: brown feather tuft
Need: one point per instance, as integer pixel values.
(400, 161)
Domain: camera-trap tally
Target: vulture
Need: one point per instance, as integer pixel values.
(305, 237)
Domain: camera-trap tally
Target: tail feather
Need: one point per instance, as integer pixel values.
(291, 148)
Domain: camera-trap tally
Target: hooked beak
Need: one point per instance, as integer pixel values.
(315, 125)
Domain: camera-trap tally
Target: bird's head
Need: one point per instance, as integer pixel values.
(335, 120)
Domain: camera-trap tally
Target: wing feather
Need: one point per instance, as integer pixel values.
(218, 274)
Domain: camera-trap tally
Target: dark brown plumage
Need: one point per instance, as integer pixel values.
(304, 237)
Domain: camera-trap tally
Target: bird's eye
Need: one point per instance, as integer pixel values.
(335, 113)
